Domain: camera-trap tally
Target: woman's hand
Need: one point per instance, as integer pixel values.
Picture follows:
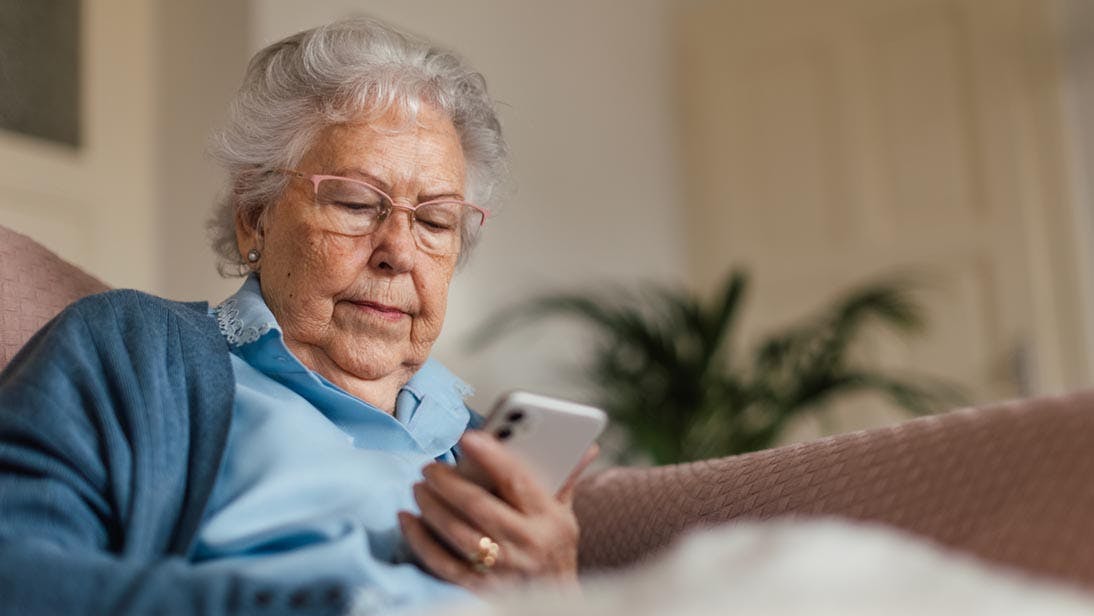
(536, 533)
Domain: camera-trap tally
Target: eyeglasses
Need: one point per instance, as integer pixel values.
(356, 208)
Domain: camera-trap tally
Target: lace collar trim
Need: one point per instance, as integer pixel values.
(244, 317)
(232, 326)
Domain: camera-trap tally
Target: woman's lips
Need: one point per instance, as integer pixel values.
(389, 313)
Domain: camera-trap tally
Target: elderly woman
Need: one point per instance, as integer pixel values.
(291, 448)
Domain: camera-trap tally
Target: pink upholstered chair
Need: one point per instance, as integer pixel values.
(1011, 483)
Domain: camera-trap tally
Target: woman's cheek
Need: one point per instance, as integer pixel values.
(333, 263)
(431, 319)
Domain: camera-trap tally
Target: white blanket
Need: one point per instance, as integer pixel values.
(802, 567)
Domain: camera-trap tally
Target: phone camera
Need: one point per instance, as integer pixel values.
(515, 416)
(504, 434)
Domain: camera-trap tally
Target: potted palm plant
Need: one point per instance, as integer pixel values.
(665, 369)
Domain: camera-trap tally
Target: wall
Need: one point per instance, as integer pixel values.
(96, 205)
(202, 52)
(586, 106)
(1075, 19)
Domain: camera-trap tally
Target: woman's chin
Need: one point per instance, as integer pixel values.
(372, 357)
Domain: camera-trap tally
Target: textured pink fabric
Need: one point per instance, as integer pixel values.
(35, 285)
(1012, 483)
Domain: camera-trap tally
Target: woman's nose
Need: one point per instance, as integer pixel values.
(394, 248)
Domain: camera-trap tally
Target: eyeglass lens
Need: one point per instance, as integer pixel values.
(353, 208)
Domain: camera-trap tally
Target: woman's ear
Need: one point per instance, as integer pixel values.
(248, 233)
(248, 239)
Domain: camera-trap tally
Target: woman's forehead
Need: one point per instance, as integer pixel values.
(425, 153)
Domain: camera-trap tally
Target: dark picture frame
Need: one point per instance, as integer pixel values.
(40, 69)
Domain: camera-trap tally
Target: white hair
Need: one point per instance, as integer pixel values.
(347, 70)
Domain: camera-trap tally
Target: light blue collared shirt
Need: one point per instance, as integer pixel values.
(312, 477)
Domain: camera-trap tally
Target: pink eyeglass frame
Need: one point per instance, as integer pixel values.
(316, 179)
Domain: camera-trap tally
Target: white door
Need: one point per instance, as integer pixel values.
(829, 142)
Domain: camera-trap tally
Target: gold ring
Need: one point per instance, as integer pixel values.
(486, 557)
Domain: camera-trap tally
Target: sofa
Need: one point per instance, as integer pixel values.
(1010, 483)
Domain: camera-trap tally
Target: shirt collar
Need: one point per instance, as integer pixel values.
(435, 380)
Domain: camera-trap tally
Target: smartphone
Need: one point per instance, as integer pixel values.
(549, 434)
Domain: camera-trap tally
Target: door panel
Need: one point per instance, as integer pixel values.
(831, 142)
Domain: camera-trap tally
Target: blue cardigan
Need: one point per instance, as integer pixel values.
(113, 421)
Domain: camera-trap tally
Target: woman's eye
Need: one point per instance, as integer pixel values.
(359, 206)
(438, 219)
(438, 225)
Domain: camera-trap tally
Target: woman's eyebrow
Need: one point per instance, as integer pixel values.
(454, 196)
(360, 174)
(371, 178)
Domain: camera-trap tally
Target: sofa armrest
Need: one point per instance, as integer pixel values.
(1012, 483)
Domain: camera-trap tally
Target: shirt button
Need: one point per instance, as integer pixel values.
(299, 599)
(334, 595)
(263, 598)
